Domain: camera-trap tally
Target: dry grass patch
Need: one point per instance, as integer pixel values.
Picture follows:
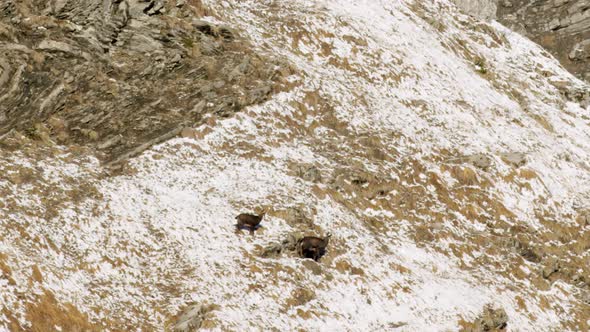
(45, 314)
(5, 269)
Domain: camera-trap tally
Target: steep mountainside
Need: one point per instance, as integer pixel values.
(121, 75)
(448, 157)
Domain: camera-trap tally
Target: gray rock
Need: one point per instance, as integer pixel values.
(291, 240)
(491, 320)
(551, 266)
(192, 318)
(481, 9)
(156, 7)
(296, 216)
(481, 160)
(580, 51)
(272, 250)
(56, 46)
(515, 159)
(525, 251)
(314, 267)
(310, 173)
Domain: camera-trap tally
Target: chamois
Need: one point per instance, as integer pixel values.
(313, 247)
(249, 221)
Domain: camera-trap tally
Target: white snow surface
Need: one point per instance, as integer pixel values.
(163, 237)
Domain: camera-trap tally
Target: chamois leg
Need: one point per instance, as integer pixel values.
(239, 227)
(310, 253)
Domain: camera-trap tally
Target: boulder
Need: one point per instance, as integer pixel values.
(273, 249)
(192, 318)
(580, 51)
(491, 320)
(300, 296)
(551, 266)
(310, 173)
(481, 9)
(313, 266)
(291, 240)
(514, 158)
(480, 160)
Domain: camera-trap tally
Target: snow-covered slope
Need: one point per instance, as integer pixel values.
(454, 172)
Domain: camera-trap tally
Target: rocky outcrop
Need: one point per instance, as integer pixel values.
(563, 27)
(490, 320)
(121, 75)
(194, 317)
(482, 9)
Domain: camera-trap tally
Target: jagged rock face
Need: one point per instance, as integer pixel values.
(563, 27)
(121, 75)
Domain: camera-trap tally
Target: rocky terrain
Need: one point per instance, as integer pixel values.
(481, 9)
(449, 158)
(122, 75)
(563, 27)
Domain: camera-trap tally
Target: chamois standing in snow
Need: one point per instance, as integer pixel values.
(250, 221)
(313, 247)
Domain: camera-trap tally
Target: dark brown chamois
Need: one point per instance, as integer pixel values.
(249, 221)
(313, 247)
